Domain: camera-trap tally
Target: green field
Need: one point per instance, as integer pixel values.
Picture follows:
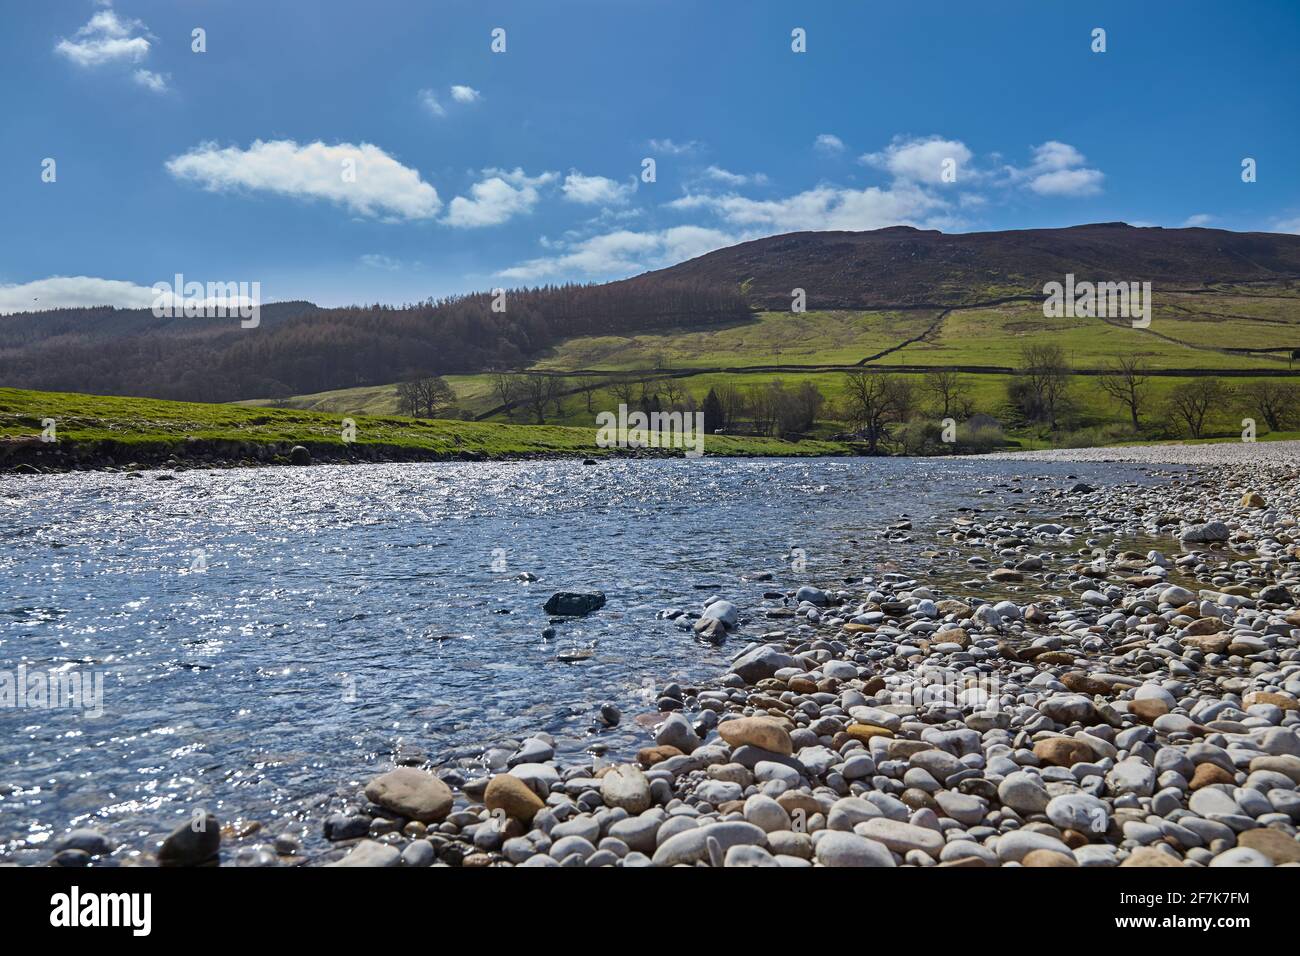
(773, 338)
(152, 427)
(1188, 331)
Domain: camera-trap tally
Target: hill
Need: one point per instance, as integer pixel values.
(894, 296)
(304, 349)
(905, 267)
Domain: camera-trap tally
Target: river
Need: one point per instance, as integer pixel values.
(266, 637)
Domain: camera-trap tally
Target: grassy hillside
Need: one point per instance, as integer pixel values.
(905, 266)
(92, 427)
(1189, 332)
(772, 338)
(871, 292)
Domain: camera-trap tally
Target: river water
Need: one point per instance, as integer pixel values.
(267, 637)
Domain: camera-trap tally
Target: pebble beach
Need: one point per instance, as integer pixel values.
(1128, 697)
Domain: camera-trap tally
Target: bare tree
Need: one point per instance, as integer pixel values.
(1126, 381)
(948, 389)
(797, 408)
(408, 399)
(649, 391)
(1278, 403)
(1044, 376)
(557, 385)
(673, 392)
(1193, 402)
(875, 401)
(429, 397)
(624, 389)
(589, 385)
(760, 401)
(538, 392)
(506, 389)
(731, 403)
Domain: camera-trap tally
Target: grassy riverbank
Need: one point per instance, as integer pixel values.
(101, 431)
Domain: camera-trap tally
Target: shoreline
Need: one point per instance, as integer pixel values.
(31, 456)
(1106, 716)
(216, 454)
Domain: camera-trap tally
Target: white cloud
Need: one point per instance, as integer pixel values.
(623, 252)
(670, 148)
(1058, 169)
(151, 81)
(1288, 225)
(379, 261)
(821, 208)
(65, 292)
(729, 178)
(496, 199)
(106, 38)
(1056, 155)
(914, 197)
(1068, 182)
(71, 292)
(432, 105)
(828, 143)
(1199, 219)
(591, 190)
(429, 100)
(381, 187)
(921, 160)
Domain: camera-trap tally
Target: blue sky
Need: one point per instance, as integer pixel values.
(477, 169)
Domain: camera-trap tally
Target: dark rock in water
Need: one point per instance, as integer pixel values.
(610, 715)
(194, 842)
(341, 826)
(299, 455)
(548, 633)
(812, 595)
(711, 629)
(724, 612)
(1081, 488)
(71, 858)
(574, 603)
(588, 461)
(87, 841)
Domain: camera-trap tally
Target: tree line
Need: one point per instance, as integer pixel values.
(213, 360)
(936, 412)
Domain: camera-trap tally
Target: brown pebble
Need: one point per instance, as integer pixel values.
(1047, 858)
(1147, 709)
(1208, 774)
(647, 757)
